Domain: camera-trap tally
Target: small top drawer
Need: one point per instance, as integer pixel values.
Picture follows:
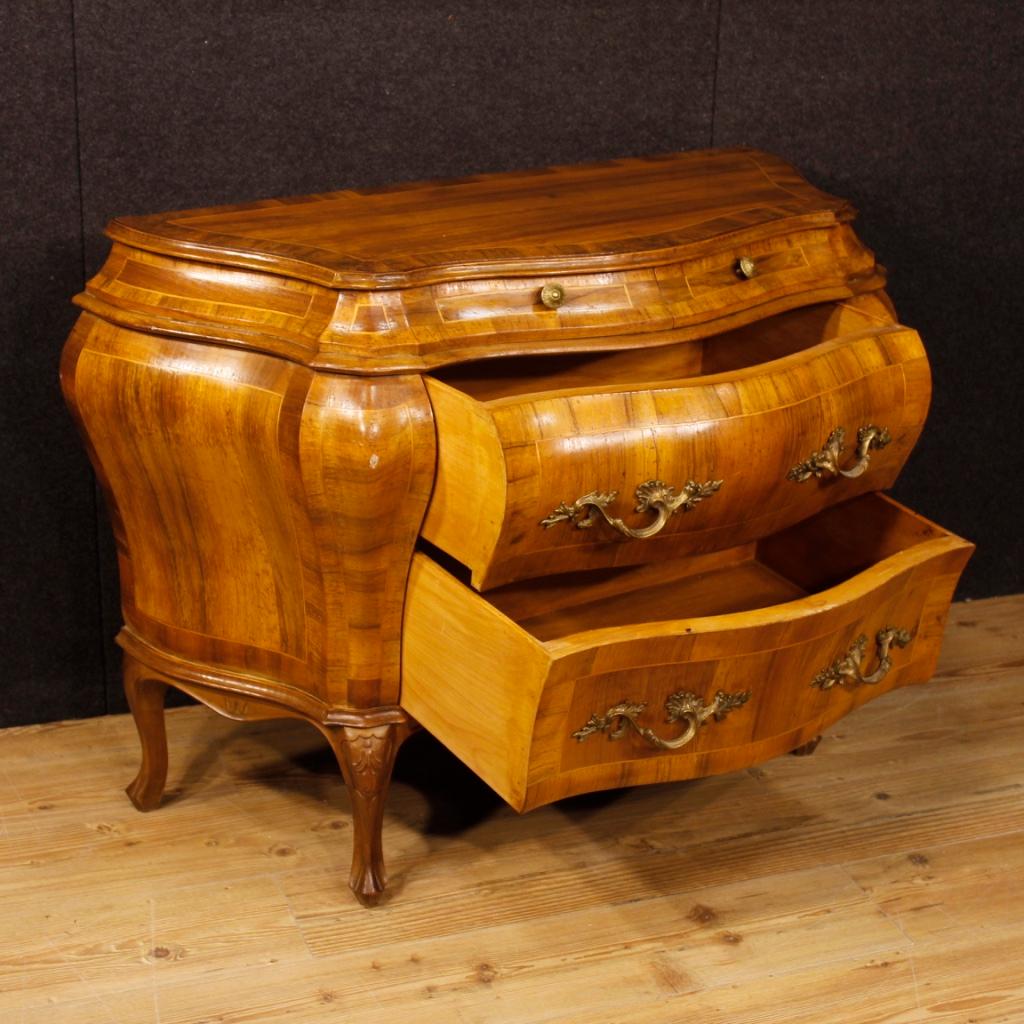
(553, 464)
(731, 284)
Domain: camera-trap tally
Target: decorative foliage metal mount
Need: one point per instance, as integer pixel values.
(825, 461)
(846, 669)
(651, 496)
(682, 706)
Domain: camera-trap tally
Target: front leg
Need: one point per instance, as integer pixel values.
(366, 756)
(146, 691)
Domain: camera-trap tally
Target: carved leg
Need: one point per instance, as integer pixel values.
(366, 757)
(806, 749)
(146, 693)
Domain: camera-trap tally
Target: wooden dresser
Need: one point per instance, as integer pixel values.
(578, 468)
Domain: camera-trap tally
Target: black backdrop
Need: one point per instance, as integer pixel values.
(911, 109)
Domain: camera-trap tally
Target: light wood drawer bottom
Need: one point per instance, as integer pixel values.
(506, 680)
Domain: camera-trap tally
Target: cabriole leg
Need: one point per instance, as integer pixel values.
(146, 693)
(366, 757)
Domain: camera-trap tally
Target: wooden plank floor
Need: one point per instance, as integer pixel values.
(881, 880)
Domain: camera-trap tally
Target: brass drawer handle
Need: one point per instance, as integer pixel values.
(681, 707)
(552, 295)
(745, 267)
(653, 495)
(846, 671)
(825, 461)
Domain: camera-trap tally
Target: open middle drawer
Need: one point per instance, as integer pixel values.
(718, 442)
(684, 668)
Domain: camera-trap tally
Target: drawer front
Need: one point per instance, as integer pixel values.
(541, 719)
(766, 673)
(512, 472)
(813, 265)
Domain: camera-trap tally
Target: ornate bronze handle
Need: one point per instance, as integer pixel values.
(552, 295)
(846, 670)
(825, 461)
(681, 707)
(654, 495)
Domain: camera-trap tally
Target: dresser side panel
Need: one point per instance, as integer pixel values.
(264, 514)
(471, 677)
(191, 442)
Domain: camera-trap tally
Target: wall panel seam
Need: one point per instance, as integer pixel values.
(97, 523)
(714, 77)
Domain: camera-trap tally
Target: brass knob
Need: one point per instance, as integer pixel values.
(746, 268)
(552, 295)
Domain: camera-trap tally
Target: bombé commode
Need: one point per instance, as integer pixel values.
(578, 468)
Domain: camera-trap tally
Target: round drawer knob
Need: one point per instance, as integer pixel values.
(552, 295)
(746, 268)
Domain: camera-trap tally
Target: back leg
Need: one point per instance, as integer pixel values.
(146, 691)
(806, 749)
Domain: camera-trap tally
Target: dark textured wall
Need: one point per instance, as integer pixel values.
(915, 111)
(115, 107)
(51, 662)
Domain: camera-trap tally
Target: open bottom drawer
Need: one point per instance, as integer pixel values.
(563, 685)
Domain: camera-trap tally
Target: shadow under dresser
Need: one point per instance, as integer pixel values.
(578, 468)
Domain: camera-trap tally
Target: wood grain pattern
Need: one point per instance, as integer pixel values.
(264, 514)
(596, 216)
(766, 625)
(435, 325)
(881, 880)
(405, 279)
(536, 439)
(249, 382)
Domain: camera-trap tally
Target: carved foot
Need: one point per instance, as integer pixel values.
(146, 694)
(806, 749)
(366, 757)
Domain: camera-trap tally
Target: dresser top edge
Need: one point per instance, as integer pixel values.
(610, 215)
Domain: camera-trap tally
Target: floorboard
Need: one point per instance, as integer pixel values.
(880, 881)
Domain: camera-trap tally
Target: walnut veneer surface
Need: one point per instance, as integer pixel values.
(370, 459)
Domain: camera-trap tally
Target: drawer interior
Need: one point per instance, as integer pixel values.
(820, 552)
(766, 340)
